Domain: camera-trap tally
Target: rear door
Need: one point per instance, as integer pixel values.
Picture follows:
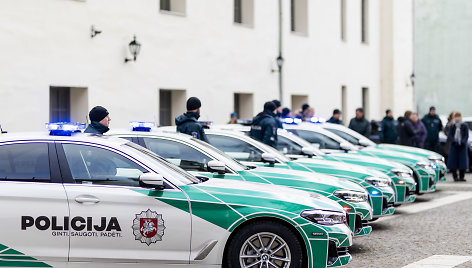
(113, 218)
(34, 213)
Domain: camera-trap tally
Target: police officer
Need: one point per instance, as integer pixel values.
(187, 123)
(99, 121)
(264, 125)
(389, 128)
(336, 118)
(433, 126)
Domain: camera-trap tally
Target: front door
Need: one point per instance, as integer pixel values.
(113, 219)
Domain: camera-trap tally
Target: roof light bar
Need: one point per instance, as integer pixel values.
(64, 128)
(141, 126)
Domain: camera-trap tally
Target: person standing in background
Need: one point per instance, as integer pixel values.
(336, 118)
(388, 132)
(99, 121)
(301, 113)
(458, 155)
(309, 113)
(360, 124)
(419, 129)
(450, 121)
(233, 118)
(406, 133)
(187, 123)
(433, 126)
(264, 125)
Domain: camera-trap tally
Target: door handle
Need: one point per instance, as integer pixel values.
(87, 199)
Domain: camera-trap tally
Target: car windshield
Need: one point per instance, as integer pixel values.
(235, 164)
(301, 142)
(177, 173)
(351, 139)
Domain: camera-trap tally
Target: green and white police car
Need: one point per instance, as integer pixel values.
(243, 148)
(97, 201)
(203, 159)
(359, 140)
(423, 169)
(295, 147)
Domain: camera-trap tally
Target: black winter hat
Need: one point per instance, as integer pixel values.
(270, 106)
(98, 113)
(277, 103)
(336, 111)
(305, 106)
(193, 103)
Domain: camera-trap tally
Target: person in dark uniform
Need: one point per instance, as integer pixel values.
(278, 113)
(433, 126)
(99, 121)
(360, 124)
(336, 118)
(406, 131)
(388, 133)
(264, 125)
(187, 123)
(458, 154)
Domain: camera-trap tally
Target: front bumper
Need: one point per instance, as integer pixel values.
(382, 201)
(427, 179)
(405, 192)
(357, 214)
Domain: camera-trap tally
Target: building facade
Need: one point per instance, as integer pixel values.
(443, 65)
(337, 54)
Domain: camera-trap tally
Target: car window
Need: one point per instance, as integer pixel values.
(351, 139)
(323, 141)
(287, 146)
(180, 154)
(92, 165)
(25, 162)
(236, 148)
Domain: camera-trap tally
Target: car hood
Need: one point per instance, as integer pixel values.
(316, 179)
(261, 195)
(368, 159)
(407, 149)
(407, 157)
(335, 165)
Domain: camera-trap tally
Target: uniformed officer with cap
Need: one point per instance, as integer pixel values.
(187, 123)
(99, 121)
(264, 125)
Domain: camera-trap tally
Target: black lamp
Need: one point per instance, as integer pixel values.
(134, 48)
(94, 32)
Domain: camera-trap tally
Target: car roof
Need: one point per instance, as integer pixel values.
(44, 136)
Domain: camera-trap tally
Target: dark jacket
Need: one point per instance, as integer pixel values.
(433, 126)
(187, 123)
(458, 151)
(96, 128)
(388, 132)
(264, 128)
(361, 126)
(420, 133)
(406, 132)
(334, 121)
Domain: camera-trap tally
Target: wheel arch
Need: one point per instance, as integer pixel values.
(273, 219)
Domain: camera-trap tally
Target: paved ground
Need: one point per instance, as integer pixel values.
(436, 224)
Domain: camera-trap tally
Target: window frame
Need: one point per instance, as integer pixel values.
(143, 144)
(67, 174)
(54, 172)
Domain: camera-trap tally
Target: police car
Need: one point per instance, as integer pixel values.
(75, 200)
(201, 158)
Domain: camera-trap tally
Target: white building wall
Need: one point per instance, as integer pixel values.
(47, 43)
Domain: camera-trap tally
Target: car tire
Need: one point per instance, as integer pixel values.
(239, 246)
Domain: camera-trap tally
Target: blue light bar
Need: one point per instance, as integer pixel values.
(317, 120)
(292, 121)
(141, 126)
(64, 128)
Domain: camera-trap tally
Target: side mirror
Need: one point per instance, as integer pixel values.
(152, 179)
(217, 166)
(308, 151)
(345, 146)
(268, 158)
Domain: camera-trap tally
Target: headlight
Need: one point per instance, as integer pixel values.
(402, 173)
(436, 158)
(324, 217)
(351, 196)
(379, 182)
(425, 165)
